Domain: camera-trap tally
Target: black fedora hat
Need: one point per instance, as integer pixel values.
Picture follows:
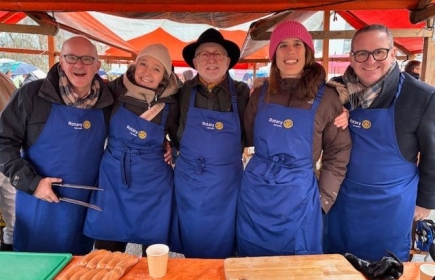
(212, 36)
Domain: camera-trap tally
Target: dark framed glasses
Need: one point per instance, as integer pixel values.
(205, 56)
(72, 59)
(378, 55)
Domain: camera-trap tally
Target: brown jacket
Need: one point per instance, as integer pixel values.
(334, 142)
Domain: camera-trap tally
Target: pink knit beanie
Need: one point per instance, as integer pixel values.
(159, 52)
(289, 29)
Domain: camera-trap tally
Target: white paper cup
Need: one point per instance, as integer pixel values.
(157, 257)
(427, 271)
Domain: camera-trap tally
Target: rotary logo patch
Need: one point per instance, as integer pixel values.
(86, 124)
(219, 125)
(288, 123)
(366, 124)
(142, 134)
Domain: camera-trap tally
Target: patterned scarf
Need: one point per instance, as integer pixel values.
(71, 98)
(360, 95)
(210, 86)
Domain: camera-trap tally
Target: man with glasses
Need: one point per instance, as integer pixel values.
(209, 168)
(53, 130)
(392, 119)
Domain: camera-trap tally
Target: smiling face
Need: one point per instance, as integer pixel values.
(79, 75)
(371, 71)
(290, 57)
(149, 72)
(211, 70)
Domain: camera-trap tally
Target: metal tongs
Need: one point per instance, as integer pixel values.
(75, 201)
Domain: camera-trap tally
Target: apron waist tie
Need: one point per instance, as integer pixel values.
(200, 163)
(273, 164)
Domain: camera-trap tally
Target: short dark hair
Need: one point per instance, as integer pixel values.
(411, 65)
(375, 27)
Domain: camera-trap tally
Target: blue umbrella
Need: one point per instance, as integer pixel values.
(23, 68)
(17, 67)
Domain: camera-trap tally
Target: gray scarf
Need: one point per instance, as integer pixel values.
(360, 95)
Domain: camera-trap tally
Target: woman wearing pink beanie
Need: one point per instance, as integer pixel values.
(137, 182)
(290, 121)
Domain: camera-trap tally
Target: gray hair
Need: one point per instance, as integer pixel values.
(375, 27)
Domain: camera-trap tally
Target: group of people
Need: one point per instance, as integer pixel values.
(72, 128)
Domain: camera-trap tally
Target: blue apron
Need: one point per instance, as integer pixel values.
(375, 205)
(70, 147)
(137, 183)
(278, 209)
(207, 178)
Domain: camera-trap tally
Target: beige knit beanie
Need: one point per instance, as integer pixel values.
(159, 52)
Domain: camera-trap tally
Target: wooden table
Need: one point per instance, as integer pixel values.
(208, 269)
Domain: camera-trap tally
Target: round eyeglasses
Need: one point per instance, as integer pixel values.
(378, 55)
(72, 59)
(205, 56)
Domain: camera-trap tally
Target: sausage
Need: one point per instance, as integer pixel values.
(113, 275)
(90, 274)
(79, 273)
(96, 259)
(99, 276)
(113, 262)
(103, 262)
(86, 258)
(70, 272)
(126, 263)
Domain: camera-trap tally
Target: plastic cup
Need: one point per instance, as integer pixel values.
(157, 256)
(427, 271)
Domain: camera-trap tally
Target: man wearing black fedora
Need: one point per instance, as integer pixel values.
(209, 168)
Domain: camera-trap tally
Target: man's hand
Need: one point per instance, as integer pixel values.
(168, 153)
(44, 191)
(342, 121)
(421, 213)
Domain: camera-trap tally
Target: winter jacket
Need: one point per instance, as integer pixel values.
(30, 108)
(335, 142)
(414, 116)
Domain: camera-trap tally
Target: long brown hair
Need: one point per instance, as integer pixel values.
(313, 75)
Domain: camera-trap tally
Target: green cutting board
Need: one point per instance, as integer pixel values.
(31, 266)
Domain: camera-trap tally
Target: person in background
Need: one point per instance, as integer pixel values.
(52, 131)
(413, 68)
(209, 167)
(290, 121)
(7, 191)
(9, 74)
(137, 182)
(187, 75)
(28, 78)
(392, 118)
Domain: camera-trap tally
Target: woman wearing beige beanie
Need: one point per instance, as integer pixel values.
(136, 178)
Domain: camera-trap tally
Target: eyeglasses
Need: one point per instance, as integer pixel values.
(378, 55)
(205, 56)
(72, 59)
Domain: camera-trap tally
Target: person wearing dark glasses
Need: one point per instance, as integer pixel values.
(392, 118)
(53, 130)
